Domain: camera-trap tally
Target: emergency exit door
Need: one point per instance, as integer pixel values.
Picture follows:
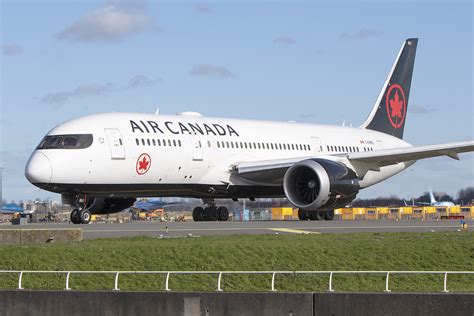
(197, 148)
(116, 144)
(316, 144)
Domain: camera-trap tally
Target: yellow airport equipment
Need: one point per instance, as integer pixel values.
(371, 213)
(346, 214)
(418, 212)
(455, 210)
(393, 213)
(359, 213)
(294, 215)
(467, 211)
(430, 212)
(441, 212)
(282, 213)
(406, 212)
(382, 212)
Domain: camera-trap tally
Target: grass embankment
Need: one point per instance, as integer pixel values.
(366, 251)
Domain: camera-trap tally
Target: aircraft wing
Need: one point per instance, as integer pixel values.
(273, 171)
(392, 156)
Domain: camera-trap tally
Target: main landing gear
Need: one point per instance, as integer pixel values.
(316, 215)
(80, 214)
(211, 213)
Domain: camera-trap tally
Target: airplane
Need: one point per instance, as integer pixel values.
(11, 209)
(433, 201)
(101, 163)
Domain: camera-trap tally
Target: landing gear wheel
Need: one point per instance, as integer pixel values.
(303, 215)
(74, 217)
(211, 214)
(329, 215)
(198, 214)
(85, 216)
(223, 213)
(316, 215)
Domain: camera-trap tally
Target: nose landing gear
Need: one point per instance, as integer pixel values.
(80, 214)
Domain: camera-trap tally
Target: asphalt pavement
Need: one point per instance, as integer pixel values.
(190, 228)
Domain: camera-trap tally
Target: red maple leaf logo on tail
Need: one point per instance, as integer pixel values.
(143, 165)
(396, 106)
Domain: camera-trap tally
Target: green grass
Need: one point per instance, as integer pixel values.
(365, 251)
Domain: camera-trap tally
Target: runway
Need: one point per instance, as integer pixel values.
(172, 229)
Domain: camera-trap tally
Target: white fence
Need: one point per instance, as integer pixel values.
(220, 274)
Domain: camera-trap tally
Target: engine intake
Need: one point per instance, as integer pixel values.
(319, 184)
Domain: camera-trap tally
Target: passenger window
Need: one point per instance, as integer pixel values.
(174, 142)
(154, 142)
(232, 144)
(143, 142)
(137, 141)
(159, 142)
(179, 143)
(169, 143)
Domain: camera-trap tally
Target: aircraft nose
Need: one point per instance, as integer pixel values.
(38, 169)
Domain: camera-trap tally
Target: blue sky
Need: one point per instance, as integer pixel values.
(313, 62)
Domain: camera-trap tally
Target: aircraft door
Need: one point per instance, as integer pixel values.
(116, 144)
(197, 148)
(316, 144)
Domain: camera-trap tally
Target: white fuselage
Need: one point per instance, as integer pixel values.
(189, 151)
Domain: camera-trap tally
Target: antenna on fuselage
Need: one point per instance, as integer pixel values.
(157, 111)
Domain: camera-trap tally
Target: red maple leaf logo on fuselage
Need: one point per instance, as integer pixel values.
(143, 165)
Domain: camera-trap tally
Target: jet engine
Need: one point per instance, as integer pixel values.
(320, 184)
(109, 205)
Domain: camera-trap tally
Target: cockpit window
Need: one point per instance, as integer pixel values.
(66, 141)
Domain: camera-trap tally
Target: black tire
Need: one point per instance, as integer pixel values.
(316, 215)
(329, 215)
(303, 215)
(223, 213)
(198, 214)
(75, 217)
(211, 214)
(85, 216)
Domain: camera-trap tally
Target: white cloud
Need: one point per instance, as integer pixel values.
(284, 40)
(97, 89)
(11, 49)
(108, 24)
(212, 70)
(202, 8)
(420, 109)
(361, 34)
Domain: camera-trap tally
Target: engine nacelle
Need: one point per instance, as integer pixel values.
(320, 184)
(109, 205)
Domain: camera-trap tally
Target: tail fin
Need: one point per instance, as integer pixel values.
(390, 110)
(432, 198)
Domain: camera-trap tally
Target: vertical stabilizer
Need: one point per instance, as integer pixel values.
(432, 198)
(390, 110)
